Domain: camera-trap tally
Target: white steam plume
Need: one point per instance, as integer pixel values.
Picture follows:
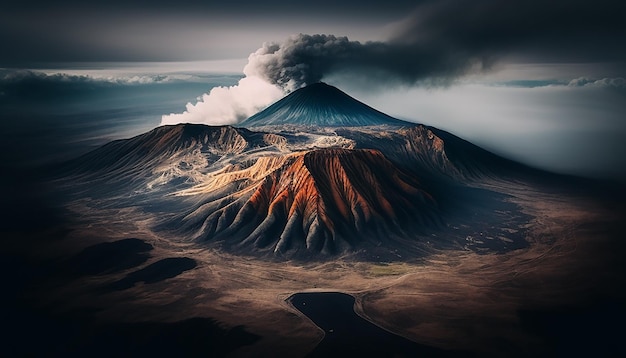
(228, 105)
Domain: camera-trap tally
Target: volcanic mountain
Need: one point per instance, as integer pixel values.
(322, 105)
(328, 175)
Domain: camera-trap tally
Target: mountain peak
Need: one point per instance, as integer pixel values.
(320, 104)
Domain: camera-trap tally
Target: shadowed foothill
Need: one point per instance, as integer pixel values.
(156, 272)
(80, 337)
(109, 257)
(593, 331)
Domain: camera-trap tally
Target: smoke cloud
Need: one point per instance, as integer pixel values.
(228, 105)
(439, 42)
(306, 59)
(277, 69)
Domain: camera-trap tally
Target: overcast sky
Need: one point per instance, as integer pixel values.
(41, 31)
(115, 30)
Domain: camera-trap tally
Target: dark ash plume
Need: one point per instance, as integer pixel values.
(306, 59)
(442, 40)
(435, 45)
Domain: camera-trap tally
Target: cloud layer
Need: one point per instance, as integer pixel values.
(618, 82)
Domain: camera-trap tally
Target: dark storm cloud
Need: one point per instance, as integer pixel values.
(571, 30)
(36, 31)
(281, 7)
(442, 40)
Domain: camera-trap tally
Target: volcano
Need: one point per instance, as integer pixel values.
(187, 239)
(320, 104)
(317, 174)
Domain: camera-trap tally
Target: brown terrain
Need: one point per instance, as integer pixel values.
(207, 231)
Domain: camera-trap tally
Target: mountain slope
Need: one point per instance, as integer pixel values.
(323, 105)
(182, 153)
(322, 201)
